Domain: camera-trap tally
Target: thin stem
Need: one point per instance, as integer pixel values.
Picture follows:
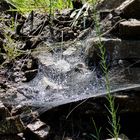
(113, 112)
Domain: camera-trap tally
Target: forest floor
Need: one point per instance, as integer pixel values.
(21, 36)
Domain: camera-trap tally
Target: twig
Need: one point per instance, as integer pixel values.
(75, 108)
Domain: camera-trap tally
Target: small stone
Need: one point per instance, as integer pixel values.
(37, 130)
(42, 134)
(36, 125)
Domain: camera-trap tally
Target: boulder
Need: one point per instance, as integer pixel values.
(130, 29)
(104, 4)
(131, 49)
(129, 9)
(92, 50)
(115, 48)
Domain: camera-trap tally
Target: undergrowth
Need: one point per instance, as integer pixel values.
(26, 6)
(10, 50)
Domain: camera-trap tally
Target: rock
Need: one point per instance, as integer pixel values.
(4, 112)
(37, 130)
(104, 13)
(30, 68)
(130, 29)
(77, 4)
(92, 50)
(128, 103)
(30, 74)
(104, 4)
(36, 125)
(17, 110)
(116, 48)
(129, 9)
(130, 48)
(4, 6)
(11, 125)
(28, 115)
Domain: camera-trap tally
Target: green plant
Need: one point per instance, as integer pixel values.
(26, 6)
(22, 6)
(113, 121)
(10, 48)
(96, 136)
